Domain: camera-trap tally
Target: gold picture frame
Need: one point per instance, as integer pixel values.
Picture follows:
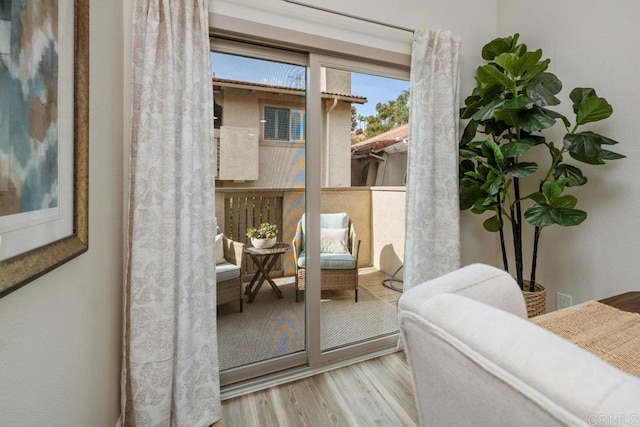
(22, 268)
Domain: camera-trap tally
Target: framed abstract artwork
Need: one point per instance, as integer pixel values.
(44, 137)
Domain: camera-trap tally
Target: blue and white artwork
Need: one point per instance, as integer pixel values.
(28, 105)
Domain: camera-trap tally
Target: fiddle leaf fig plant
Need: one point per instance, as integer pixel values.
(508, 113)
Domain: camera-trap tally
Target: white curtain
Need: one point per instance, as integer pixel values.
(432, 245)
(170, 359)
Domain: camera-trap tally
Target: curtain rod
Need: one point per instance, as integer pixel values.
(347, 15)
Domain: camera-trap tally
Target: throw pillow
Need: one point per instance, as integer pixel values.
(220, 249)
(334, 240)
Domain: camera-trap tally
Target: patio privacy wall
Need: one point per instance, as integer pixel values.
(377, 213)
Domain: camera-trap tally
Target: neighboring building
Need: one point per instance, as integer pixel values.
(381, 160)
(260, 132)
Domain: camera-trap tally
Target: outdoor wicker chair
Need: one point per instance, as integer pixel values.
(338, 254)
(229, 271)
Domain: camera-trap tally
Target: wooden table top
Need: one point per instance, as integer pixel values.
(629, 301)
(277, 248)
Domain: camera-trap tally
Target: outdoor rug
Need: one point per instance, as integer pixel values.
(271, 327)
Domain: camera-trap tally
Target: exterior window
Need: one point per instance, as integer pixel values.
(284, 124)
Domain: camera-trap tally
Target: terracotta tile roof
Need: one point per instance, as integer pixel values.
(227, 82)
(381, 141)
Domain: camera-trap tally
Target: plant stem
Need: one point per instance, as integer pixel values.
(502, 243)
(536, 238)
(517, 232)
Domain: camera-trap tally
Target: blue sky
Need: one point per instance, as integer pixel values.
(376, 89)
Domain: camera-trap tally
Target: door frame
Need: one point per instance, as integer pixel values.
(312, 360)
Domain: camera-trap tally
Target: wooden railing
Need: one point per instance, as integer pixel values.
(250, 208)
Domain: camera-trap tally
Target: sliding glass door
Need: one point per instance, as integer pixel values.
(289, 139)
(361, 119)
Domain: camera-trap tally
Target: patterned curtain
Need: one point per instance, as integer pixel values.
(170, 359)
(432, 245)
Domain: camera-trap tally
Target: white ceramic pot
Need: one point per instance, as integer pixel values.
(263, 243)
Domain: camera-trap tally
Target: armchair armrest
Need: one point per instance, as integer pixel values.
(234, 252)
(483, 283)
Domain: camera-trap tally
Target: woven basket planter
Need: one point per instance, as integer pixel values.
(536, 301)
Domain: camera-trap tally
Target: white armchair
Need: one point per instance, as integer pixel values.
(477, 360)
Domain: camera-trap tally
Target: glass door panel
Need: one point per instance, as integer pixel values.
(260, 137)
(365, 128)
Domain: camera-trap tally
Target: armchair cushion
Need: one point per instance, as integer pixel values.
(334, 240)
(227, 271)
(220, 249)
(331, 261)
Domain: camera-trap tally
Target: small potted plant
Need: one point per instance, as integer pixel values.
(264, 236)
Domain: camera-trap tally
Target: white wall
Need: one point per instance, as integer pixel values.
(60, 335)
(591, 44)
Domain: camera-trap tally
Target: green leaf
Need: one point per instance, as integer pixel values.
(551, 190)
(472, 104)
(495, 151)
(516, 103)
(571, 173)
(586, 144)
(593, 110)
(495, 127)
(469, 132)
(585, 159)
(526, 61)
(566, 201)
(510, 117)
(535, 120)
(492, 224)
(482, 206)
(488, 111)
(535, 70)
(471, 99)
(469, 195)
(568, 217)
(610, 155)
(542, 88)
(496, 47)
(516, 148)
(542, 215)
(523, 169)
(536, 197)
(507, 61)
(490, 75)
(556, 115)
(492, 187)
(539, 215)
(467, 154)
(467, 166)
(579, 94)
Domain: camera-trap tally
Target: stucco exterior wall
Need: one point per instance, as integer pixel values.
(388, 232)
(281, 164)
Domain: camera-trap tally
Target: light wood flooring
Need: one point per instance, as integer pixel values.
(376, 392)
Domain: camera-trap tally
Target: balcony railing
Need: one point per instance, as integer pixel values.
(377, 213)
